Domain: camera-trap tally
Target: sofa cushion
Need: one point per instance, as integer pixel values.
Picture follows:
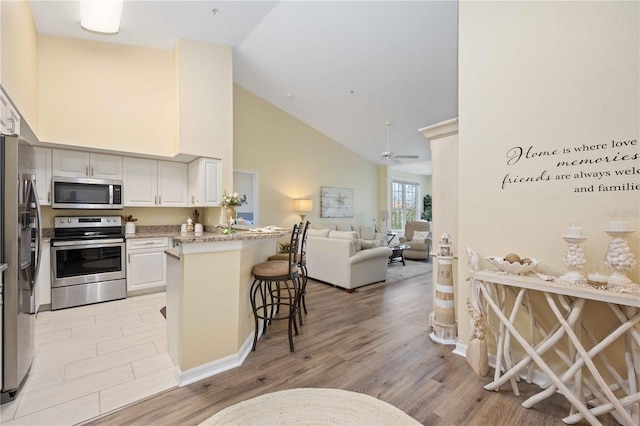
(318, 232)
(344, 228)
(420, 236)
(350, 235)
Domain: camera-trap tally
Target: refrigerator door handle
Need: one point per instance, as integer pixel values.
(33, 192)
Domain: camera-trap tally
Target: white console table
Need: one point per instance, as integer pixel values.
(508, 297)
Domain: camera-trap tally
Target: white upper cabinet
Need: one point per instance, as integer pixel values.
(84, 164)
(151, 183)
(173, 181)
(205, 182)
(9, 117)
(43, 175)
(104, 166)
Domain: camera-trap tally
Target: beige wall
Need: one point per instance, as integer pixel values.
(109, 96)
(552, 76)
(205, 99)
(19, 58)
(205, 102)
(294, 161)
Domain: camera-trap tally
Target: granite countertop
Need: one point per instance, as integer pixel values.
(208, 237)
(211, 234)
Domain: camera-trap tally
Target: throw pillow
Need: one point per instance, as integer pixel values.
(367, 233)
(318, 232)
(420, 236)
(351, 235)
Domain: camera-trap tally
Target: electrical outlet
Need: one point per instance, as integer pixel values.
(159, 218)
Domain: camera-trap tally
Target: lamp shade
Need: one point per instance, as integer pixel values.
(102, 16)
(302, 205)
(384, 214)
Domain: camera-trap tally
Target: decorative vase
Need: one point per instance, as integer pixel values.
(230, 211)
(129, 228)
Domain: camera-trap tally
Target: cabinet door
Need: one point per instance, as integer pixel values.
(70, 163)
(43, 175)
(212, 180)
(195, 183)
(105, 166)
(140, 180)
(9, 117)
(173, 186)
(146, 269)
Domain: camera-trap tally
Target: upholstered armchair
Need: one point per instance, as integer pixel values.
(417, 235)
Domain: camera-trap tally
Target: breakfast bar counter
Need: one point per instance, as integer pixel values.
(209, 319)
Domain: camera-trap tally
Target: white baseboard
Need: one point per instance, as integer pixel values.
(461, 349)
(215, 367)
(537, 378)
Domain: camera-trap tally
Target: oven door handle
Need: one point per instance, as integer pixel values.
(85, 244)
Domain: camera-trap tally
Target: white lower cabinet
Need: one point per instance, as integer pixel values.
(146, 265)
(43, 284)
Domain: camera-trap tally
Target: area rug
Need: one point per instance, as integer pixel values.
(397, 272)
(311, 406)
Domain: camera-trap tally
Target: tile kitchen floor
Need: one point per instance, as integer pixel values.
(94, 359)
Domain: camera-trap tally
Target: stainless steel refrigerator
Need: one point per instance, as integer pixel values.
(20, 248)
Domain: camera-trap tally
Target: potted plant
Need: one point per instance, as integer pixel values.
(129, 224)
(229, 202)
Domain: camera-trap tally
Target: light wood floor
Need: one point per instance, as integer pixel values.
(374, 342)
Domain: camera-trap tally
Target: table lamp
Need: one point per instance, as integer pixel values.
(302, 206)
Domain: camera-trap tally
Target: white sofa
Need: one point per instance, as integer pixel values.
(337, 257)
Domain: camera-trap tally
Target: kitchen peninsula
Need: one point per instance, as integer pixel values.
(209, 319)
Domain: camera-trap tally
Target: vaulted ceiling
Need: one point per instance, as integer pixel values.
(342, 67)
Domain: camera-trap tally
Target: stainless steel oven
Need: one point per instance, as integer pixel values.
(87, 261)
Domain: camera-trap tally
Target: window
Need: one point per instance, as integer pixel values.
(404, 203)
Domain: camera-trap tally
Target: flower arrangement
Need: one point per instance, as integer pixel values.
(129, 218)
(233, 199)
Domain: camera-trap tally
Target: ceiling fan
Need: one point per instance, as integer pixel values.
(389, 155)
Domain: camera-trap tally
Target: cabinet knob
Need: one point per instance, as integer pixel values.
(86, 171)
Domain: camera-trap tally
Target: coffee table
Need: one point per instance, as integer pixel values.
(397, 254)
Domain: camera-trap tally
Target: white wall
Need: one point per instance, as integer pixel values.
(553, 76)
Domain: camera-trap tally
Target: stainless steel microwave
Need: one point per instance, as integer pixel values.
(85, 193)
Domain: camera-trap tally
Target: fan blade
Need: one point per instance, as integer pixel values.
(407, 156)
(396, 161)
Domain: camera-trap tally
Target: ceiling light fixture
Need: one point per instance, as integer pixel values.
(101, 16)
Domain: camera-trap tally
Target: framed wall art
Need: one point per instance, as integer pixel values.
(336, 202)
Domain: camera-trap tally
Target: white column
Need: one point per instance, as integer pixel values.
(443, 137)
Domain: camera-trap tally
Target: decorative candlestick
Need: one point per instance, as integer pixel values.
(574, 260)
(619, 258)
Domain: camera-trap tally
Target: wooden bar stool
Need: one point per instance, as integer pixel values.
(276, 285)
(301, 260)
